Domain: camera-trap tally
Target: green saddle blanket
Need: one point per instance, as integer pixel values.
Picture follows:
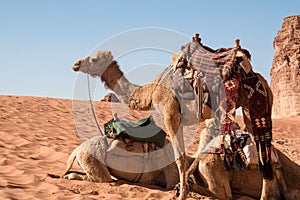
(144, 130)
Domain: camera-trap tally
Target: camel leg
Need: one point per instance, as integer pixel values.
(198, 157)
(95, 170)
(166, 103)
(195, 162)
(205, 138)
(265, 189)
(202, 190)
(215, 177)
(181, 164)
(172, 123)
(193, 166)
(70, 162)
(180, 156)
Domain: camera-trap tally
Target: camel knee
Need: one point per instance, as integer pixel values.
(220, 191)
(95, 170)
(215, 178)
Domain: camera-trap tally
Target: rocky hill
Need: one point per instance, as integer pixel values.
(285, 72)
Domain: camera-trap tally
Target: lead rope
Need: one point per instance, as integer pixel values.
(92, 106)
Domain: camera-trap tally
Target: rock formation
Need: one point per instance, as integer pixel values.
(110, 97)
(285, 72)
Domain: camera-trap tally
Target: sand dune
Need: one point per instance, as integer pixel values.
(38, 134)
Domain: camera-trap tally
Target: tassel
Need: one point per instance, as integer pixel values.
(240, 159)
(267, 170)
(225, 158)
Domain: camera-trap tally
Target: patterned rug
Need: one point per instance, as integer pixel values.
(244, 141)
(224, 79)
(220, 78)
(261, 122)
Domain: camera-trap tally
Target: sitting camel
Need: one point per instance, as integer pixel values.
(213, 180)
(99, 160)
(160, 96)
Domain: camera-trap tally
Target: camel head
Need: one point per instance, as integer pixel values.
(94, 65)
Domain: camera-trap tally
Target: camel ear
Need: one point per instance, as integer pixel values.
(101, 55)
(175, 57)
(108, 55)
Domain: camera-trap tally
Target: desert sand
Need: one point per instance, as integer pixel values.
(38, 134)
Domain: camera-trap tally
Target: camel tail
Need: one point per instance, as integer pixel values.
(70, 162)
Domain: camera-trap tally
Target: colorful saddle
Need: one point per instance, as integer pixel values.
(220, 75)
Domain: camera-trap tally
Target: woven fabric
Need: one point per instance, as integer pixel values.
(261, 122)
(218, 77)
(228, 99)
(230, 148)
(202, 60)
(222, 78)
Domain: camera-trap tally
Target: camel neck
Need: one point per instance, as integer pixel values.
(115, 80)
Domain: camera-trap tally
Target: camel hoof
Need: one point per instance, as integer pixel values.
(177, 189)
(73, 176)
(189, 185)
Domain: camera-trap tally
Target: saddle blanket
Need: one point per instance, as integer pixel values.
(144, 130)
(249, 148)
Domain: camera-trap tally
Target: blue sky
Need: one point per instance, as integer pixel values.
(40, 40)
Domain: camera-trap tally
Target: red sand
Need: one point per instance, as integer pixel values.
(38, 134)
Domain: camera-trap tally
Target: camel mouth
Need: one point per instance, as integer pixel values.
(76, 68)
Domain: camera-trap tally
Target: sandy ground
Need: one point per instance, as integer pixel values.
(38, 134)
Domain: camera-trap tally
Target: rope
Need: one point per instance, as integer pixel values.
(92, 106)
(199, 95)
(165, 73)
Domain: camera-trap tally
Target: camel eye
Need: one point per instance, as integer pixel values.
(94, 59)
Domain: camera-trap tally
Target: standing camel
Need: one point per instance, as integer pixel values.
(160, 96)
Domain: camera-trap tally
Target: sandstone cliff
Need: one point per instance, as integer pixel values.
(285, 72)
(110, 97)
